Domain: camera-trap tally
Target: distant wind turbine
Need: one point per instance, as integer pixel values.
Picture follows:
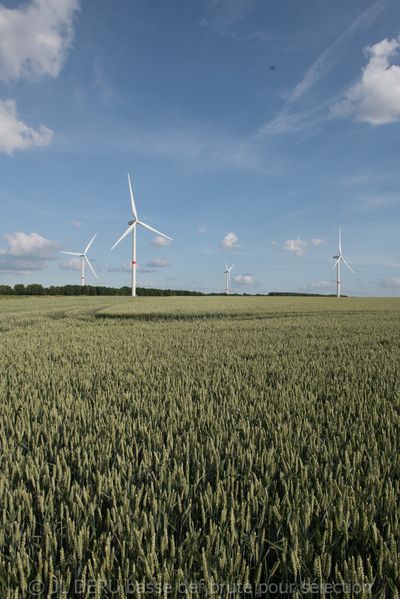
(227, 271)
(132, 229)
(84, 259)
(339, 258)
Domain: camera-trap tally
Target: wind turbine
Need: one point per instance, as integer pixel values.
(339, 258)
(132, 229)
(84, 259)
(227, 271)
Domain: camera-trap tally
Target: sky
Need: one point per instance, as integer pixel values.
(252, 130)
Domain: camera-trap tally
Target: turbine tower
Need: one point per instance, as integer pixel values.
(84, 259)
(339, 258)
(227, 271)
(132, 229)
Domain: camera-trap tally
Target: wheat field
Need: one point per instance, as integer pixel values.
(197, 447)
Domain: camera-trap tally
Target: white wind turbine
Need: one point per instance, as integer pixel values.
(339, 258)
(132, 229)
(227, 271)
(84, 259)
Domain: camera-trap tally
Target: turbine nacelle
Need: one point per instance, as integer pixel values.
(84, 258)
(338, 259)
(227, 272)
(132, 229)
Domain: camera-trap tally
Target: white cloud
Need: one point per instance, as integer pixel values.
(295, 246)
(26, 252)
(391, 283)
(75, 223)
(229, 242)
(243, 280)
(275, 242)
(73, 264)
(157, 263)
(375, 98)
(15, 134)
(160, 241)
(300, 246)
(35, 38)
(29, 245)
(201, 230)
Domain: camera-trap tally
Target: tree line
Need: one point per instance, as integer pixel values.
(37, 289)
(97, 290)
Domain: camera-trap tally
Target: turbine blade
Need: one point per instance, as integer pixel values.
(348, 265)
(340, 241)
(71, 253)
(129, 229)
(231, 268)
(90, 266)
(154, 230)
(90, 243)
(132, 198)
(336, 263)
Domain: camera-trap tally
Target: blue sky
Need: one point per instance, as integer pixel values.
(252, 129)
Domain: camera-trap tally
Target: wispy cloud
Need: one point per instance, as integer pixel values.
(73, 264)
(202, 147)
(127, 267)
(375, 201)
(103, 86)
(143, 270)
(333, 53)
(391, 283)
(370, 177)
(289, 119)
(223, 15)
(76, 223)
(158, 263)
(160, 242)
(322, 285)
